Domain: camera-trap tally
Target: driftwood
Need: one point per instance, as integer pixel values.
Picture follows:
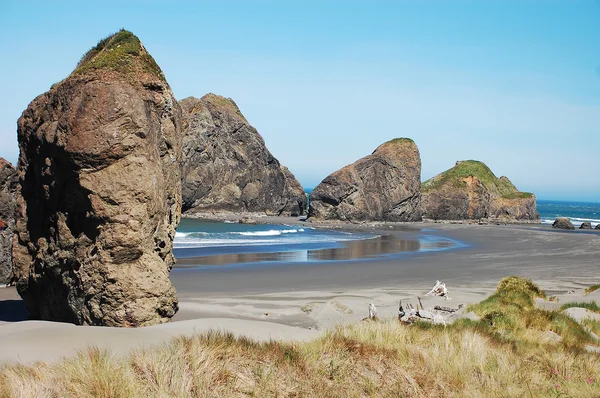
(439, 289)
(445, 309)
(438, 315)
(372, 311)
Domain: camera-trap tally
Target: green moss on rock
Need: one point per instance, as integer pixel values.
(400, 140)
(121, 52)
(474, 168)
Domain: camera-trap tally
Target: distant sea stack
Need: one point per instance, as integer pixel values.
(100, 192)
(470, 191)
(8, 188)
(227, 167)
(384, 186)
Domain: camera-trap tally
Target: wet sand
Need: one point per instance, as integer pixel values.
(294, 300)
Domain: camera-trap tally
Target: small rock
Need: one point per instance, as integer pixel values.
(562, 223)
(586, 225)
(247, 220)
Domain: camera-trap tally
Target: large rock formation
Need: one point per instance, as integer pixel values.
(8, 187)
(384, 186)
(470, 191)
(100, 192)
(228, 168)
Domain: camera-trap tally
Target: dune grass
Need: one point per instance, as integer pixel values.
(498, 356)
(592, 306)
(592, 288)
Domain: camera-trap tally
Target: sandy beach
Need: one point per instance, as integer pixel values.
(297, 301)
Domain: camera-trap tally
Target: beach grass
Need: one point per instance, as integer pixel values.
(592, 288)
(592, 306)
(497, 356)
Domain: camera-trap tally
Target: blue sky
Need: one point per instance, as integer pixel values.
(515, 84)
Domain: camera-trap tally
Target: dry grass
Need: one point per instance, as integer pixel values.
(466, 359)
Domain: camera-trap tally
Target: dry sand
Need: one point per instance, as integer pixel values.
(297, 301)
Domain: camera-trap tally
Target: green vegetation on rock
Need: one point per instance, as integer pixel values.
(473, 168)
(400, 140)
(121, 52)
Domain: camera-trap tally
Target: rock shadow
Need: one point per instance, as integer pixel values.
(13, 311)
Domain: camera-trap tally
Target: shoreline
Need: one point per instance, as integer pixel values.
(297, 301)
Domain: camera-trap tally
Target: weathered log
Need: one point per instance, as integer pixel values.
(372, 311)
(446, 309)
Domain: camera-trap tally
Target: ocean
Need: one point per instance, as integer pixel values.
(200, 242)
(577, 212)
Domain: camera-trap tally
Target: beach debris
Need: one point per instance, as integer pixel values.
(341, 308)
(266, 314)
(308, 308)
(438, 315)
(372, 311)
(401, 312)
(445, 309)
(439, 289)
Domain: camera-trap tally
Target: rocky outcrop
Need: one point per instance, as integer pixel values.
(384, 186)
(227, 167)
(470, 191)
(563, 223)
(8, 187)
(597, 226)
(100, 192)
(586, 225)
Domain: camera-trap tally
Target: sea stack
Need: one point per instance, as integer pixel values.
(384, 186)
(8, 187)
(470, 191)
(227, 166)
(99, 193)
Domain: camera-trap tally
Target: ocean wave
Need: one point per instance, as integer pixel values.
(182, 235)
(271, 232)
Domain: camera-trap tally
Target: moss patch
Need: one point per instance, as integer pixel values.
(121, 52)
(400, 140)
(473, 168)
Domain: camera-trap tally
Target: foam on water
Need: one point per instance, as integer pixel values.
(197, 234)
(577, 212)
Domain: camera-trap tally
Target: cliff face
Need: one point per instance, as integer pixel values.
(227, 167)
(384, 186)
(470, 190)
(100, 192)
(8, 187)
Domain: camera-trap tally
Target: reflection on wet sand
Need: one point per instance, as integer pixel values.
(349, 250)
